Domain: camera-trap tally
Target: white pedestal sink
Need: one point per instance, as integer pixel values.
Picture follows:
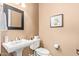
(17, 46)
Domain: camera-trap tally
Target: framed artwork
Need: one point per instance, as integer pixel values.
(56, 21)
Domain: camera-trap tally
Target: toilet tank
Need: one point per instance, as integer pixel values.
(36, 43)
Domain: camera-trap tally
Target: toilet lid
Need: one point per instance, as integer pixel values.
(42, 51)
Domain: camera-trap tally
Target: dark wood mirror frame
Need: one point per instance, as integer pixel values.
(5, 9)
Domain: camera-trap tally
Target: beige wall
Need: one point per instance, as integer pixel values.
(0, 32)
(30, 26)
(68, 36)
(0, 42)
(30, 23)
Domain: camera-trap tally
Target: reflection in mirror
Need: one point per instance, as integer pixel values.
(14, 18)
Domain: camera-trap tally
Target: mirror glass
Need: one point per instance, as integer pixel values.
(14, 18)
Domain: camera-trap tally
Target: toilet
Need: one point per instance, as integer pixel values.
(38, 51)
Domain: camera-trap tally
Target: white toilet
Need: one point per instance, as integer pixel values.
(36, 47)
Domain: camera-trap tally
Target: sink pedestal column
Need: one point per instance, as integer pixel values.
(19, 52)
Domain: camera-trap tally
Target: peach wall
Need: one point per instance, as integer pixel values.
(31, 27)
(0, 32)
(68, 36)
(30, 22)
(0, 42)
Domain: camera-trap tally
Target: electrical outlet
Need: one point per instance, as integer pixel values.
(77, 51)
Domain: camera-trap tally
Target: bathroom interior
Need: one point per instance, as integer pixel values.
(28, 29)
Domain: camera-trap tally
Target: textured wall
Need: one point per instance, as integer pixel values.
(30, 24)
(67, 36)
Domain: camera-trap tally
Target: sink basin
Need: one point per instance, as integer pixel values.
(17, 46)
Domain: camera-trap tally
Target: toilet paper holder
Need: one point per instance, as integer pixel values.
(56, 46)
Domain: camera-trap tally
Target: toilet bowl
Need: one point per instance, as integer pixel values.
(38, 51)
(42, 52)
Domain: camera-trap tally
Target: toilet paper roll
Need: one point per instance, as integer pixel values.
(56, 46)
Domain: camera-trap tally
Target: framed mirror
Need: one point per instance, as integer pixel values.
(14, 17)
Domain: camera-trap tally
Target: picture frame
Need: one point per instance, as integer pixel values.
(12, 14)
(56, 21)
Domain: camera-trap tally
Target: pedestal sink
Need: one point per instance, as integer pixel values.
(17, 46)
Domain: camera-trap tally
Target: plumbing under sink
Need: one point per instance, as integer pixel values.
(17, 46)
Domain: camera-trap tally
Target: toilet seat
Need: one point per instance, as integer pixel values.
(42, 51)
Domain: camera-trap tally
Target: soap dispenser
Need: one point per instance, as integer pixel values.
(6, 39)
(17, 38)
